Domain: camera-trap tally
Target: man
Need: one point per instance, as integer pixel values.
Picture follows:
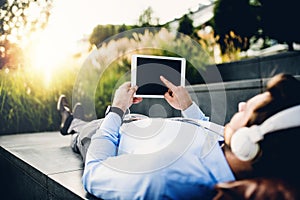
(194, 174)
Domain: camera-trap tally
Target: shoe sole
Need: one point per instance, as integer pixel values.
(61, 97)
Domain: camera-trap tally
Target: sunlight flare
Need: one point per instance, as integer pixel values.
(50, 49)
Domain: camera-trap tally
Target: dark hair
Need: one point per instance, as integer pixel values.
(285, 93)
(280, 150)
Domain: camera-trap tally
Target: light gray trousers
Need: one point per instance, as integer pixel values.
(82, 138)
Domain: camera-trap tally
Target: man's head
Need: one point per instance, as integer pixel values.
(282, 92)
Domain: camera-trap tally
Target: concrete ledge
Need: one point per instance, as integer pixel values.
(258, 67)
(232, 85)
(40, 166)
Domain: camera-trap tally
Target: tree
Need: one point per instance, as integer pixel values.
(101, 33)
(186, 25)
(146, 18)
(235, 21)
(279, 20)
(123, 28)
(17, 21)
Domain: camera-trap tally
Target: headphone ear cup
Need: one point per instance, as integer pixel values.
(242, 146)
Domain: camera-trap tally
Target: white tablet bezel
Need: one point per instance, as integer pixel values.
(134, 71)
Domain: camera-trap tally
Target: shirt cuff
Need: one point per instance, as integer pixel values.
(194, 112)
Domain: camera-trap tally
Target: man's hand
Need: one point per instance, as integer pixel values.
(177, 96)
(123, 98)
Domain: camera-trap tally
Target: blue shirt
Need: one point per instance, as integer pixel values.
(192, 174)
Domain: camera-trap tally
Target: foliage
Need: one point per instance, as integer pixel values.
(186, 25)
(11, 55)
(279, 20)
(102, 32)
(14, 15)
(27, 104)
(146, 18)
(16, 23)
(208, 41)
(235, 22)
(252, 20)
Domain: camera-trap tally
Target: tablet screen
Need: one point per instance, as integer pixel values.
(148, 69)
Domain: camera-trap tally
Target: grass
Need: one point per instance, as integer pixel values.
(27, 104)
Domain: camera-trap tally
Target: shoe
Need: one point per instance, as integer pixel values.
(66, 115)
(78, 112)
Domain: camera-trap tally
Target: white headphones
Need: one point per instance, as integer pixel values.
(244, 142)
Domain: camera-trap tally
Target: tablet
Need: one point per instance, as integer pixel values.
(146, 70)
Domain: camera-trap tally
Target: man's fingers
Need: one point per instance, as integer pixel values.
(132, 90)
(126, 84)
(169, 85)
(135, 88)
(168, 97)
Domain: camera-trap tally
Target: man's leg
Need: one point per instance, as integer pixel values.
(75, 124)
(84, 132)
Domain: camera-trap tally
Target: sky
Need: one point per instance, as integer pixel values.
(81, 16)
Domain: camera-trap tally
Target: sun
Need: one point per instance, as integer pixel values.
(45, 55)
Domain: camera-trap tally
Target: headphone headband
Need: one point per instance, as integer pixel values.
(244, 141)
(284, 119)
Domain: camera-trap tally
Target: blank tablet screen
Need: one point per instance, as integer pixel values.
(149, 70)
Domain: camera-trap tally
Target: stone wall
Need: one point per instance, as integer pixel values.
(254, 68)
